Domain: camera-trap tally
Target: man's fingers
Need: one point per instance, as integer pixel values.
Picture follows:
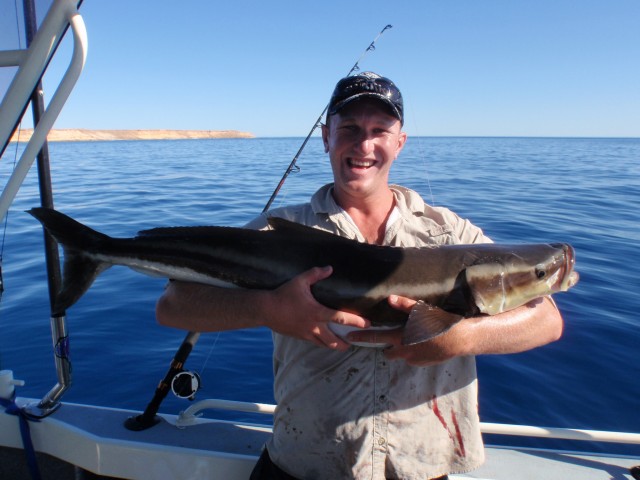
(349, 319)
(320, 317)
(316, 274)
(324, 337)
(403, 304)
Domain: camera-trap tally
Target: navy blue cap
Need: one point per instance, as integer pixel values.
(367, 84)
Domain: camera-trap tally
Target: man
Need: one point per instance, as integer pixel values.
(347, 411)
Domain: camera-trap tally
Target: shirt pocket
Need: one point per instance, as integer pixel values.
(424, 236)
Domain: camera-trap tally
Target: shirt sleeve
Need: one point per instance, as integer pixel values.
(463, 229)
(258, 223)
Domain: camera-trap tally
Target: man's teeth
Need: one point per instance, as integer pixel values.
(361, 163)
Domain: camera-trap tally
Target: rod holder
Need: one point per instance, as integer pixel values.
(51, 401)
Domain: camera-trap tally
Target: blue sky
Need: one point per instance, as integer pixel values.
(471, 67)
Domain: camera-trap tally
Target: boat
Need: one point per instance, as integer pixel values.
(49, 438)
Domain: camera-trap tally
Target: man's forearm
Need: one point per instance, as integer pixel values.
(204, 308)
(290, 309)
(532, 325)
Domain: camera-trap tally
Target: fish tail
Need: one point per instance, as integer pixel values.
(77, 240)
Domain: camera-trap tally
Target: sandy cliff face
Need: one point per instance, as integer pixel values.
(83, 135)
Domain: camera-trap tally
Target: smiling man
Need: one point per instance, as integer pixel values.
(363, 138)
(347, 407)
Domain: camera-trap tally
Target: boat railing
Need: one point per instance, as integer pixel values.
(32, 63)
(190, 415)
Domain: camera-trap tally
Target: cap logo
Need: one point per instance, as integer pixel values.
(367, 83)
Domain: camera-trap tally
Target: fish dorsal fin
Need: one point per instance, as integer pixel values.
(292, 228)
(283, 224)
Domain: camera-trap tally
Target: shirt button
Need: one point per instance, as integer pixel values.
(381, 441)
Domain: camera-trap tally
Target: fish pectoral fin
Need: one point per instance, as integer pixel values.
(426, 322)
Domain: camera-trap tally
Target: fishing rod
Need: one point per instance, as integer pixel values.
(149, 418)
(292, 166)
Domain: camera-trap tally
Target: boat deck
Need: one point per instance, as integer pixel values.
(95, 440)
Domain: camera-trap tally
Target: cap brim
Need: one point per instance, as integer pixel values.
(392, 108)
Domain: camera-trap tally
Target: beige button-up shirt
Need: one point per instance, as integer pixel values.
(355, 414)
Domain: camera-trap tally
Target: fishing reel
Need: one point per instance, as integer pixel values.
(185, 384)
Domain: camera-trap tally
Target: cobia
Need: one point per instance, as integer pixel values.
(451, 281)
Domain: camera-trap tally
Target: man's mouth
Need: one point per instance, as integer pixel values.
(358, 163)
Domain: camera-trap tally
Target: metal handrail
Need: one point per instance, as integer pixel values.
(62, 14)
(32, 62)
(11, 58)
(560, 433)
(190, 415)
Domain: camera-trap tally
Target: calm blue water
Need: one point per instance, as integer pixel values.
(582, 191)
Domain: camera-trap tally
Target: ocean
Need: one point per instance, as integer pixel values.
(584, 191)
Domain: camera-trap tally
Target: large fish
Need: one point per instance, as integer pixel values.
(451, 281)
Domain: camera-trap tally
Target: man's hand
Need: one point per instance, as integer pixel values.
(296, 313)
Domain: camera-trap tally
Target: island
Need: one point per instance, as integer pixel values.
(84, 135)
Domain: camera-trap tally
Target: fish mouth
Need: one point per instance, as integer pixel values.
(568, 277)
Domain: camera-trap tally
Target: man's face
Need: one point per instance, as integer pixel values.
(362, 139)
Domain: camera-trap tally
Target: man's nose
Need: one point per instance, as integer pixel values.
(364, 143)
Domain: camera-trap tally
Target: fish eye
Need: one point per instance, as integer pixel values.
(540, 273)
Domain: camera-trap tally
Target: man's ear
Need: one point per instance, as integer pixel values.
(402, 139)
(325, 137)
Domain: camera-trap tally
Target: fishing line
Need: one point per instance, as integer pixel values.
(423, 156)
(213, 346)
(18, 25)
(6, 217)
(292, 166)
(15, 160)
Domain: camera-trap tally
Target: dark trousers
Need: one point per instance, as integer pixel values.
(265, 469)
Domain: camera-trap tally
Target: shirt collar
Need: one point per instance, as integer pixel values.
(407, 204)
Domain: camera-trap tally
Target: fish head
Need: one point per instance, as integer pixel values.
(511, 276)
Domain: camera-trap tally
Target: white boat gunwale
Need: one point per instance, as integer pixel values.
(95, 439)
